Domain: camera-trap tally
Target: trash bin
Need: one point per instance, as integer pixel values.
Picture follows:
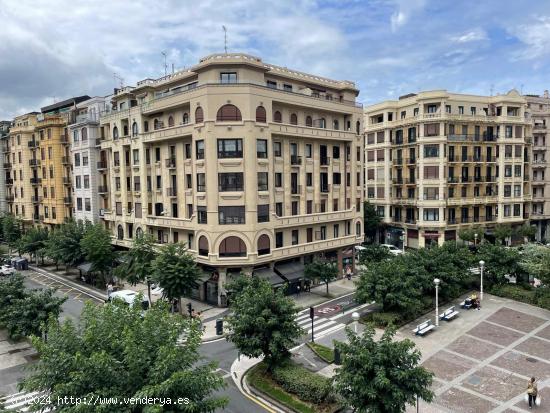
(337, 357)
(219, 326)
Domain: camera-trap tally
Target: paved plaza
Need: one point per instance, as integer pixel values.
(482, 360)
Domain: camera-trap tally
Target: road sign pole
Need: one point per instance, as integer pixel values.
(311, 315)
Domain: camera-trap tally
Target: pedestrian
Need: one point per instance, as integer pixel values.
(532, 392)
(348, 273)
(298, 290)
(110, 289)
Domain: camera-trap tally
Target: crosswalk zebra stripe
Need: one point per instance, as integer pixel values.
(322, 327)
(317, 321)
(332, 329)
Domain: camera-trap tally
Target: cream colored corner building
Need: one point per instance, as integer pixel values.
(438, 161)
(257, 168)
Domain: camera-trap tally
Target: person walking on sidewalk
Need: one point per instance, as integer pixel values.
(532, 392)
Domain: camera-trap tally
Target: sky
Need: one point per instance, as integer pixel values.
(55, 49)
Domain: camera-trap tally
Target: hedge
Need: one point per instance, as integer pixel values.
(308, 386)
(525, 293)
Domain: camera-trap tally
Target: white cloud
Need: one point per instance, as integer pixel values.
(470, 36)
(535, 36)
(405, 8)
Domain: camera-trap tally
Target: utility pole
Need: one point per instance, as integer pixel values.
(225, 38)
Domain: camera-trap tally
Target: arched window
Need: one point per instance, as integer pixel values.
(185, 118)
(203, 246)
(139, 232)
(134, 129)
(228, 113)
(263, 245)
(309, 121)
(145, 126)
(75, 135)
(232, 247)
(323, 123)
(199, 115)
(84, 133)
(156, 124)
(120, 232)
(293, 119)
(335, 125)
(115, 133)
(261, 116)
(125, 129)
(348, 125)
(358, 127)
(170, 121)
(277, 117)
(358, 229)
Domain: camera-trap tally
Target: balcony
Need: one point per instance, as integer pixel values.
(10, 198)
(324, 161)
(98, 141)
(101, 165)
(171, 192)
(308, 219)
(168, 133)
(295, 160)
(410, 161)
(170, 163)
(102, 189)
(398, 161)
(64, 140)
(36, 199)
(397, 181)
(452, 180)
(471, 138)
(33, 144)
(201, 188)
(410, 221)
(66, 180)
(68, 200)
(325, 189)
(65, 160)
(36, 181)
(34, 163)
(7, 165)
(9, 181)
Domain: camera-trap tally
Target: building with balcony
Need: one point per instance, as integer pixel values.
(438, 161)
(538, 108)
(84, 136)
(255, 167)
(4, 139)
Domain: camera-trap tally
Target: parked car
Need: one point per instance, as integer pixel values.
(129, 297)
(392, 249)
(6, 270)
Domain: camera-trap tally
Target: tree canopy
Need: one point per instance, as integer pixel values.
(322, 270)
(263, 322)
(116, 351)
(11, 230)
(97, 249)
(63, 244)
(34, 241)
(535, 261)
(372, 221)
(381, 376)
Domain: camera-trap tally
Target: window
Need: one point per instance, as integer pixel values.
(271, 84)
(199, 115)
(76, 159)
(507, 210)
(261, 148)
(228, 215)
(431, 172)
(278, 239)
(461, 110)
(228, 77)
(277, 117)
(287, 87)
(336, 178)
(323, 123)
(517, 170)
(203, 246)
(431, 129)
(431, 214)
(202, 216)
(170, 121)
(134, 129)
(135, 155)
(295, 239)
(228, 113)
(278, 179)
(293, 119)
(308, 150)
(230, 181)
(517, 210)
(230, 148)
(199, 149)
(277, 148)
(262, 181)
(78, 181)
(261, 115)
(264, 245)
(201, 182)
(336, 152)
(185, 118)
(507, 171)
(279, 209)
(507, 190)
(137, 183)
(187, 151)
(87, 204)
(335, 124)
(508, 131)
(85, 159)
(86, 181)
(336, 231)
(79, 204)
(309, 179)
(75, 136)
(115, 133)
(309, 121)
(431, 151)
(118, 208)
(263, 213)
(294, 207)
(517, 190)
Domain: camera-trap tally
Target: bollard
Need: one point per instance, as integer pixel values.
(219, 326)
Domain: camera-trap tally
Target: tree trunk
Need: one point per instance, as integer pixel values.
(327, 288)
(180, 306)
(149, 291)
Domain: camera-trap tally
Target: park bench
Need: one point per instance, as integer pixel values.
(423, 328)
(448, 314)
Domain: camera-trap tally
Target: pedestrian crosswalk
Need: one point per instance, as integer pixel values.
(21, 402)
(321, 325)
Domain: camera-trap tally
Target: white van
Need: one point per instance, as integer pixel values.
(129, 297)
(392, 249)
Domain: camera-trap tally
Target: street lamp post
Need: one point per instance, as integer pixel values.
(355, 317)
(481, 267)
(436, 282)
(475, 239)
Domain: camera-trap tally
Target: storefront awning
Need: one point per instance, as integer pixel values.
(292, 271)
(269, 275)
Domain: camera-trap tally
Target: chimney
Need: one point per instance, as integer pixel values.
(546, 94)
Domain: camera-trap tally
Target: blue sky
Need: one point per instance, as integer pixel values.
(55, 49)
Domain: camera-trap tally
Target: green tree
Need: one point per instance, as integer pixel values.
(381, 376)
(137, 262)
(263, 322)
(34, 242)
(502, 231)
(174, 269)
(374, 253)
(12, 289)
(64, 244)
(321, 270)
(54, 247)
(11, 231)
(372, 221)
(468, 234)
(116, 351)
(526, 231)
(499, 261)
(97, 249)
(535, 261)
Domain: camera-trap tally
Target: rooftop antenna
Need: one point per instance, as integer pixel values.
(492, 87)
(225, 38)
(165, 65)
(118, 79)
(173, 70)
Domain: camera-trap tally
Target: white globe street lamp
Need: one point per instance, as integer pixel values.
(481, 267)
(436, 282)
(355, 317)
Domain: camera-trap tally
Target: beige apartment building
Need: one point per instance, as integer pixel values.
(538, 108)
(257, 168)
(438, 161)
